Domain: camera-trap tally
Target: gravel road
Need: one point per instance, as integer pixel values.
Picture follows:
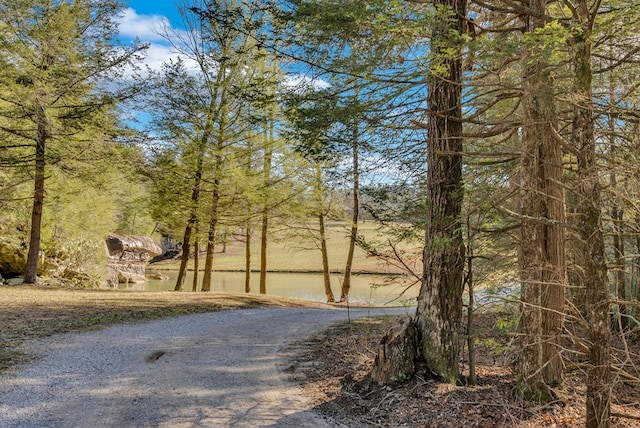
(219, 369)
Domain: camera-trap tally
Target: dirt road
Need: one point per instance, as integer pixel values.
(219, 369)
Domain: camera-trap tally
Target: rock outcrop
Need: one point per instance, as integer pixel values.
(127, 258)
(12, 258)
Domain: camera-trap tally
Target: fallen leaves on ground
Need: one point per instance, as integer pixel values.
(333, 370)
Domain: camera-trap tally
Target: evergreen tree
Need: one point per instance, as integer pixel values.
(59, 55)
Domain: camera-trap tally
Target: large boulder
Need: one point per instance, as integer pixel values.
(127, 257)
(12, 259)
(142, 246)
(130, 278)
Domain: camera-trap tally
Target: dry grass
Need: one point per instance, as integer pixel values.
(30, 312)
(333, 367)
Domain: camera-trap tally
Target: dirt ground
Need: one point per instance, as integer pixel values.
(31, 312)
(333, 369)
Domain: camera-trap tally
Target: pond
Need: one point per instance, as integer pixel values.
(365, 289)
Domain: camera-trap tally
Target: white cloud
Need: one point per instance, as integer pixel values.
(302, 82)
(145, 27)
(152, 29)
(158, 54)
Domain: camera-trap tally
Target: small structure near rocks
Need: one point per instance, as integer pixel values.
(127, 258)
(170, 250)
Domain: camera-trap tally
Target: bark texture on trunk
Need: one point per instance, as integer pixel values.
(43, 134)
(263, 252)
(542, 246)
(471, 347)
(636, 269)
(184, 258)
(624, 315)
(617, 218)
(196, 262)
(195, 198)
(213, 227)
(397, 354)
(353, 232)
(215, 200)
(320, 207)
(264, 229)
(216, 128)
(247, 259)
(439, 309)
(591, 255)
(325, 261)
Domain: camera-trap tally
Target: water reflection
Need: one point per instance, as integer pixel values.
(365, 289)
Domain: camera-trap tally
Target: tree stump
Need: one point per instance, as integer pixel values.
(397, 352)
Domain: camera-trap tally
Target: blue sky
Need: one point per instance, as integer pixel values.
(143, 19)
(154, 7)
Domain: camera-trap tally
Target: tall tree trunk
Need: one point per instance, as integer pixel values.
(195, 196)
(247, 259)
(439, 309)
(470, 310)
(219, 109)
(184, 258)
(265, 221)
(248, 232)
(635, 282)
(637, 270)
(325, 260)
(542, 245)
(215, 200)
(196, 262)
(42, 123)
(263, 252)
(617, 215)
(591, 257)
(268, 140)
(353, 232)
(213, 224)
(323, 235)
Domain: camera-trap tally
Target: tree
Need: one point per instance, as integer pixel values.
(312, 116)
(542, 243)
(60, 53)
(440, 300)
(346, 46)
(353, 125)
(206, 117)
(366, 44)
(183, 114)
(590, 254)
(268, 147)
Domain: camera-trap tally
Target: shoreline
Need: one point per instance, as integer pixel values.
(154, 267)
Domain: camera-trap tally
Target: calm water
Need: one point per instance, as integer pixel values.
(365, 289)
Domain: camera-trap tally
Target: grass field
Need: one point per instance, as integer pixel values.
(299, 254)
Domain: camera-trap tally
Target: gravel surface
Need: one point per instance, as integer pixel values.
(214, 369)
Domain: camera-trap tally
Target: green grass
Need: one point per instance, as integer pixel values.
(299, 254)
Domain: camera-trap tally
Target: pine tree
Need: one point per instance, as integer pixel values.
(58, 53)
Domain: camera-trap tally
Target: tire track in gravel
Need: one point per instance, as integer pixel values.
(216, 369)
